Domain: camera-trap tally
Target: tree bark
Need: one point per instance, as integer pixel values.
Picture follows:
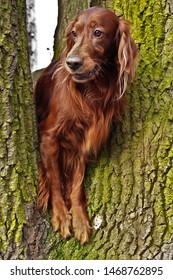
(19, 218)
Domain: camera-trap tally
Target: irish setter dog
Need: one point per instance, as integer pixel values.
(77, 97)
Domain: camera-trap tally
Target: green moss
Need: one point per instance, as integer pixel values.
(18, 135)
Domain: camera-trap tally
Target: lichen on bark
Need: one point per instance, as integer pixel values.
(18, 166)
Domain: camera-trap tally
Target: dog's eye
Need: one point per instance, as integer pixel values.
(74, 33)
(97, 33)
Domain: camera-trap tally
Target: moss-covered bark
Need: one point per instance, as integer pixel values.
(130, 188)
(146, 158)
(19, 219)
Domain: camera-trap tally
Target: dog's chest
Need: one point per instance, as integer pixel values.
(96, 135)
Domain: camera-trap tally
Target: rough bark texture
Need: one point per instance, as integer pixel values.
(145, 161)
(19, 218)
(130, 189)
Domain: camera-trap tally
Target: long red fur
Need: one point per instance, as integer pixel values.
(74, 116)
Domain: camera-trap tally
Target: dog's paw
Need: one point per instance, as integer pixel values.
(80, 224)
(61, 221)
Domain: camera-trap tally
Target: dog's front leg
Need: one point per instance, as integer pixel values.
(78, 210)
(61, 219)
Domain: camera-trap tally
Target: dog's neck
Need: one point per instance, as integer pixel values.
(103, 89)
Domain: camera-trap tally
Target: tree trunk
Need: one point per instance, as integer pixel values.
(20, 234)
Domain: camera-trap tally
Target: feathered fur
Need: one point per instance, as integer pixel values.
(77, 97)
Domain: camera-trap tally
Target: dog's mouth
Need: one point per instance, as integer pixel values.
(81, 77)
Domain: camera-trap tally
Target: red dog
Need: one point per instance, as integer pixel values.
(77, 97)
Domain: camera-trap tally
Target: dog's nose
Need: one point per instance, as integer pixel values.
(74, 62)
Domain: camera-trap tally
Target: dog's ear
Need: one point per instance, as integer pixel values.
(127, 54)
(69, 37)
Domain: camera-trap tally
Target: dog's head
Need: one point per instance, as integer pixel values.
(96, 39)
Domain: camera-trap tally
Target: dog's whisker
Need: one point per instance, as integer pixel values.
(100, 61)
